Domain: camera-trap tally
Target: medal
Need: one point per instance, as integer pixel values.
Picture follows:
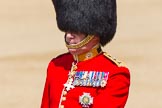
(104, 79)
(90, 78)
(103, 83)
(86, 100)
(69, 85)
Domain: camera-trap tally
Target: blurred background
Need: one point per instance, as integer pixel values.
(29, 39)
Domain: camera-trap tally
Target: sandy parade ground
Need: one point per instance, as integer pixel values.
(29, 39)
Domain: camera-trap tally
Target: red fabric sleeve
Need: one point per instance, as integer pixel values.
(46, 94)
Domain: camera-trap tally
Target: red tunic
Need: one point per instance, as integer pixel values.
(113, 95)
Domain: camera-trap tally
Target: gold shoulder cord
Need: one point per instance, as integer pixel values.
(82, 43)
(118, 63)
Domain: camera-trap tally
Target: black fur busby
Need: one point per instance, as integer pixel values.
(93, 17)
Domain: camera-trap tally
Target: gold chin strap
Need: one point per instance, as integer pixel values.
(82, 43)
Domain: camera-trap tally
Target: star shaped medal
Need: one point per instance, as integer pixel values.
(68, 85)
(86, 100)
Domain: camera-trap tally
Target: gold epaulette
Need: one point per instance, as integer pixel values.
(114, 60)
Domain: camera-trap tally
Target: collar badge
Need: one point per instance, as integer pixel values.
(89, 55)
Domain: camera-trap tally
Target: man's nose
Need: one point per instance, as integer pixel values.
(70, 36)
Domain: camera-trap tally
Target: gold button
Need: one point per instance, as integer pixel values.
(64, 93)
(63, 98)
(62, 106)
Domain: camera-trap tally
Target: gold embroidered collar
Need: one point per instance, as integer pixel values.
(88, 55)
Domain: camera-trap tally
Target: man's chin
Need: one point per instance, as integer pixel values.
(74, 51)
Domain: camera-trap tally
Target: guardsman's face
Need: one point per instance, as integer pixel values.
(74, 38)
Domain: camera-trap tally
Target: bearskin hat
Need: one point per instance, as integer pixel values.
(92, 17)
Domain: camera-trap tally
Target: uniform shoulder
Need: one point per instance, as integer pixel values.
(114, 60)
(62, 56)
(62, 59)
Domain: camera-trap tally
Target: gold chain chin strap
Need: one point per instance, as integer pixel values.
(82, 43)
